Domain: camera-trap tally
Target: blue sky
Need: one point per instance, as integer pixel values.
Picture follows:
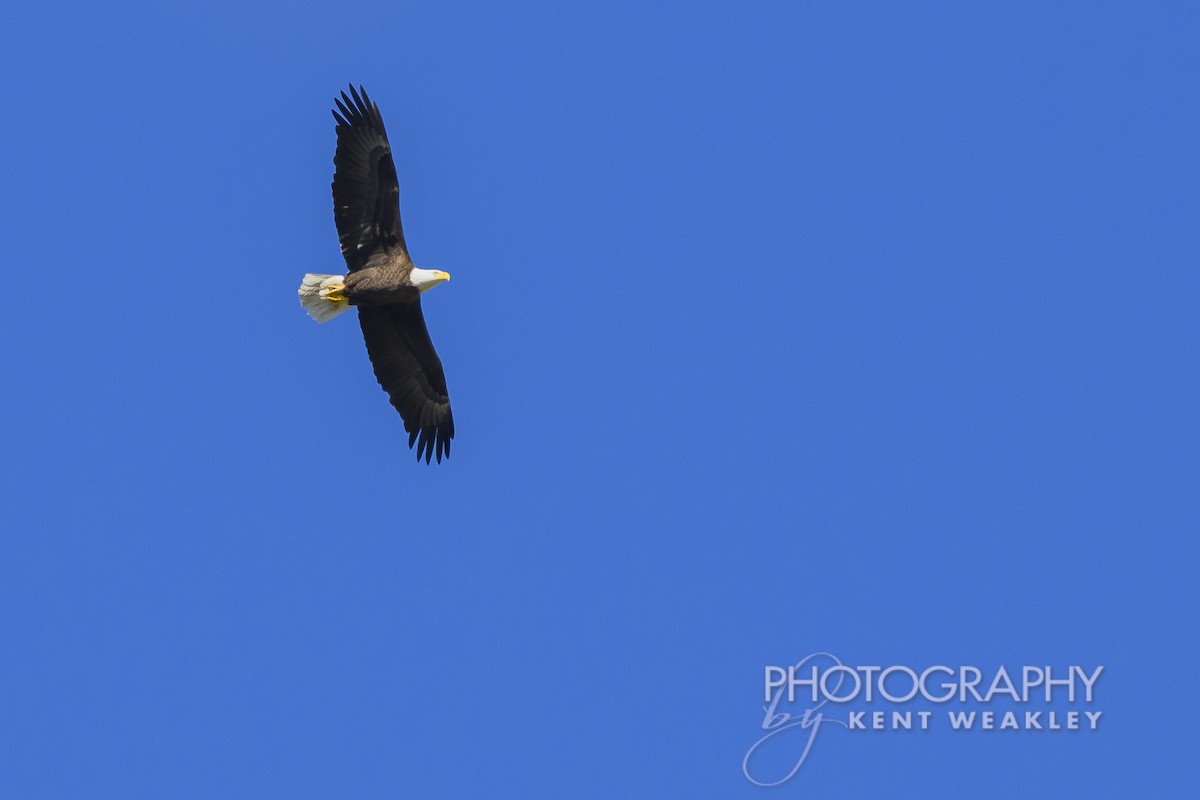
(775, 328)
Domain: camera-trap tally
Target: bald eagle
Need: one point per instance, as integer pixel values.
(382, 280)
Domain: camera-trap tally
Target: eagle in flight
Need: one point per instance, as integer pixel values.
(381, 280)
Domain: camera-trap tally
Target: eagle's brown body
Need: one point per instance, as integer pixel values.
(381, 285)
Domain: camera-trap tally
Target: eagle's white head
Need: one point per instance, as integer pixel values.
(426, 279)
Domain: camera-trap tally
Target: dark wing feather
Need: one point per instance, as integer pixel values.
(366, 194)
(409, 370)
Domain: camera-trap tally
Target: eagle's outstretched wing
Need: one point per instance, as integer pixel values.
(409, 370)
(366, 194)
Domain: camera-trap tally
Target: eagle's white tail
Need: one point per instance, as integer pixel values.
(321, 296)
